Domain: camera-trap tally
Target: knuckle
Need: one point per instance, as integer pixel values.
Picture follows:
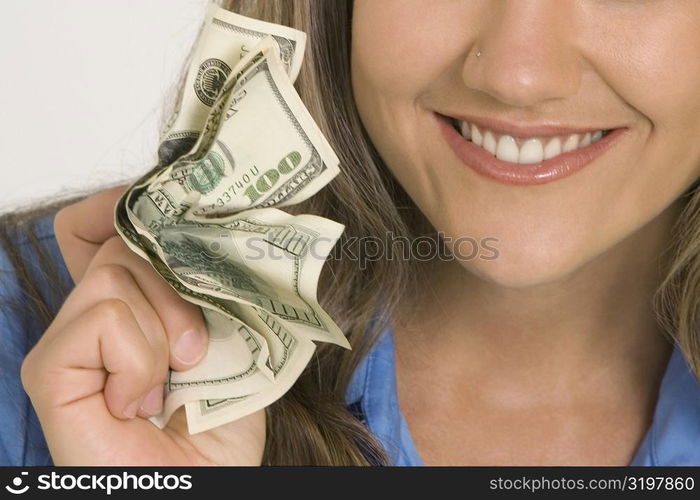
(61, 222)
(111, 278)
(33, 369)
(27, 371)
(143, 361)
(143, 364)
(113, 310)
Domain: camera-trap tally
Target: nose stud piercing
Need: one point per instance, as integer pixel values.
(478, 53)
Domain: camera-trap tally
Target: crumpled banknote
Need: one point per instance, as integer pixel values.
(240, 145)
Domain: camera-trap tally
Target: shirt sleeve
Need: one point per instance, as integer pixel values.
(22, 441)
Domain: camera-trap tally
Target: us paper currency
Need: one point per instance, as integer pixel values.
(207, 217)
(225, 39)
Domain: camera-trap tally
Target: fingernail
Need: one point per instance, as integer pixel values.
(130, 411)
(189, 347)
(153, 402)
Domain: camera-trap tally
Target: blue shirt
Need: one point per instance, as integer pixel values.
(672, 439)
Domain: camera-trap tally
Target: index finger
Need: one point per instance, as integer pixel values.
(81, 228)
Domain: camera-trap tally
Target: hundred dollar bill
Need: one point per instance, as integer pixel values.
(259, 147)
(161, 202)
(264, 258)
(232, 372)
(204, 217)
(225, 39)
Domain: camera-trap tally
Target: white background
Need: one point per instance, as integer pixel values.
(82, 88)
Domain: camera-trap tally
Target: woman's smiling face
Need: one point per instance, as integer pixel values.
(632, 66)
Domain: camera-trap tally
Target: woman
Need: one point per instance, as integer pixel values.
(560, 136)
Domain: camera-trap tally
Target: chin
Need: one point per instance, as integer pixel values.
(507, 275)
(520, 268)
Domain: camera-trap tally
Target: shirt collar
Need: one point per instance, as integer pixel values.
(372, 390)
(672, 439)
(674, 435)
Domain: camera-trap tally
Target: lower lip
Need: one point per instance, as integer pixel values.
(564, 165)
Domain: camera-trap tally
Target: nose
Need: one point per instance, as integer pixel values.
(528, 52)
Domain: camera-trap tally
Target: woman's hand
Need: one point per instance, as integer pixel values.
(82, 228)
(98, 371)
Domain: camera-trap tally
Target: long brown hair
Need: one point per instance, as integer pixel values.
(311, 424)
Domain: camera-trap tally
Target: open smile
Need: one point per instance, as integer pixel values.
(535, 155)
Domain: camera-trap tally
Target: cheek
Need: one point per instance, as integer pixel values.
(660, 78)
(675, 114)
(400, 50)
(657, 71)
(400, 47)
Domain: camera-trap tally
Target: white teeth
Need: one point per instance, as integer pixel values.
(466, 130)
(476, 136)
(553, 148)
(507, 149)
(571, 143)
(489, 142)
(532, 151)
(586, 141)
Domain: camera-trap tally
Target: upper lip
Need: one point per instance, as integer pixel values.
(526, 130)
